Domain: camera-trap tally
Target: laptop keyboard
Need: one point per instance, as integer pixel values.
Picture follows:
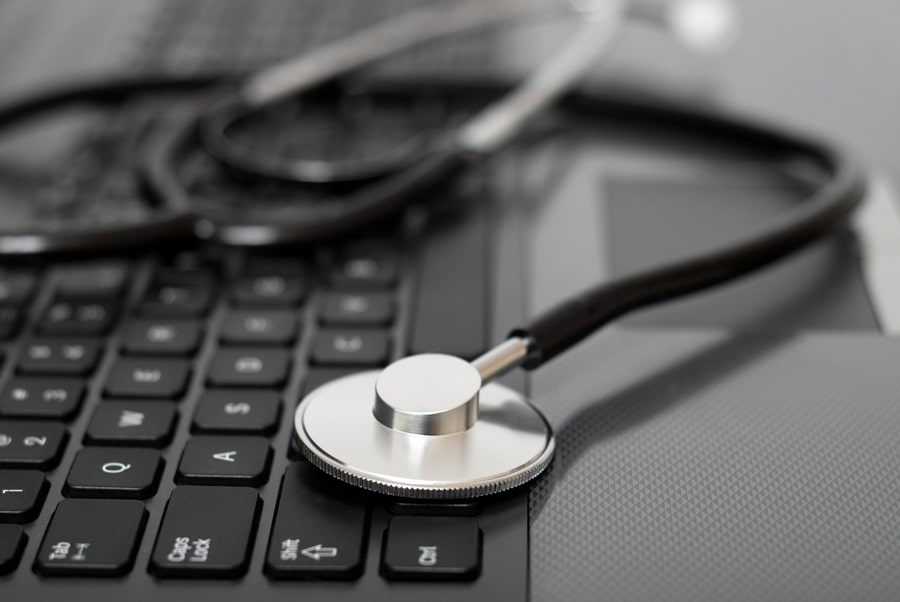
(146, 401)
(127, 381)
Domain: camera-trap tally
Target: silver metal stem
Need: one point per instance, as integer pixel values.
(494, 127)
(502, 358)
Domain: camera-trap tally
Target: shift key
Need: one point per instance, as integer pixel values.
(320, 528)
(206, 532)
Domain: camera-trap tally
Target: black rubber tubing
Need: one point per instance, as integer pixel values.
(828, 208)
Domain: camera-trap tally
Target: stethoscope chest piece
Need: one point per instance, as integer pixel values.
(425, 428)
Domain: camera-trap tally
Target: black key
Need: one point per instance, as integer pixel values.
(16, 288)
(230, 411)
(162, 337)
(350, 348)
(96, 538)
(21, 494)
(77, 318)
(186, 266)
(61, 357)
(97, 281)
(265, 265)
(178, 300)
(317, 377)
(357, 309)
(269, 290)
(31, 444)
(367, 265)
(260, 327)
(450, 308)
(206, 532)
(148, 378)
(210, 460)
(12, 542)
(10, 321)
(429, 548)
(114, 473)
(42, 397)
(132, 423)
(319, 529)
(239, 367)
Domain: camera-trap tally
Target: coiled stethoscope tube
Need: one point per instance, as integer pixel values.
(435, 426)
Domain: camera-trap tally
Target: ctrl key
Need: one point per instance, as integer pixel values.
(430, 548)
(96, 538)
(206, 532)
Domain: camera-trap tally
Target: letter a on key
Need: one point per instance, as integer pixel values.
(225, 456)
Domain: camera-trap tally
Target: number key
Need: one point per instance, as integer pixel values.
(21, 495)
(59, 356)
(42, 397)
(31, 444)
(149, 378)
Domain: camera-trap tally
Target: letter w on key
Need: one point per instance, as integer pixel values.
(130, 418)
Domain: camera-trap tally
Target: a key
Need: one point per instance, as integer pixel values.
(260, 327)
(248, 367)
(132, 423)
(12, 542)
(77, 318)
(21, 495)
(425, 548)
(206, 532)
(178, 300)
(269, 290)
(114, 473)
(162, 337)
(96, 538)
(211, 460)
(96, 281)
(31, 444)
(357, 309)
(16, 288)
(366, 265)
(350, 348)
(319, 529)
(60, 357)
(148, 378)
(233, 411)
(33, 397)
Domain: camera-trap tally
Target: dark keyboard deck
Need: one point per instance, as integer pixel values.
(146, 427)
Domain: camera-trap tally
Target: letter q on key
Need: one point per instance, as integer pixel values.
(115, 467)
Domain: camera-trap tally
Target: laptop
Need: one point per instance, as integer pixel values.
(739, 444)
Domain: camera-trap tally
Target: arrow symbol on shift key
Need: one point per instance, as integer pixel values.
(317, 551)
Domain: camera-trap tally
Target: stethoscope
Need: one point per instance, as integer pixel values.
(433, 425)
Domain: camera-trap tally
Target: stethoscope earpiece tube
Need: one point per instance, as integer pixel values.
(829, 207)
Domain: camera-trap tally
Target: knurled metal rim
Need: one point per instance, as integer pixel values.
(527, 465)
